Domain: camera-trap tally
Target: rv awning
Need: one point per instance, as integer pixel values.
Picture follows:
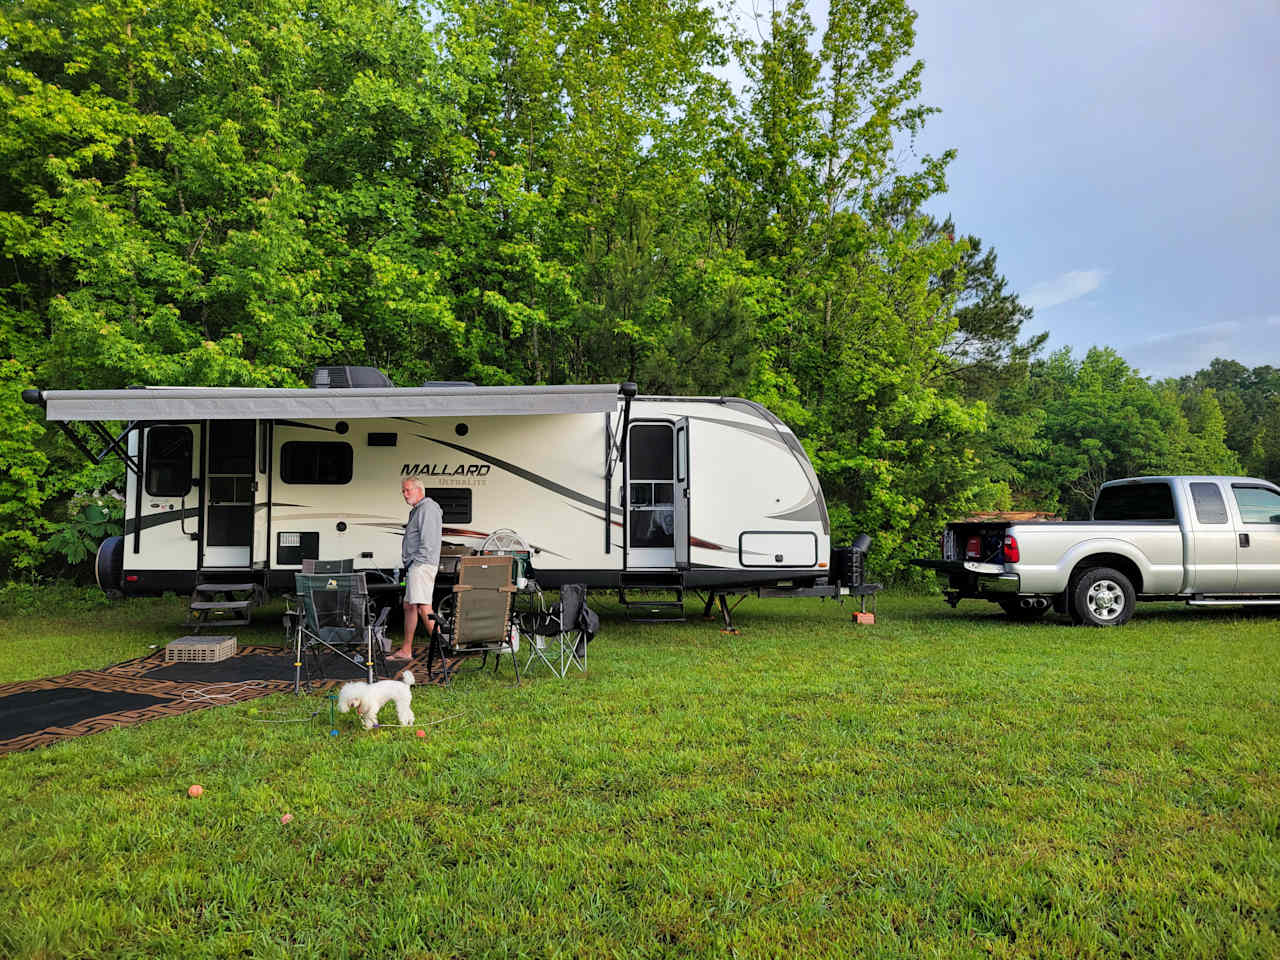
(251, 403)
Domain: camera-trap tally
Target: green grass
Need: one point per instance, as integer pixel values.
(944, 784)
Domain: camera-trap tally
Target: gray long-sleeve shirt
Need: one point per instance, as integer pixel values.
(422, 534)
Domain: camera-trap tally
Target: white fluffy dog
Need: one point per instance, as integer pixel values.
(366, 699)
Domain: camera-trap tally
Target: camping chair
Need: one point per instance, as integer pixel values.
(477, 621)
(540, 629)
(293, 611)
(559, 636)
(336, 617)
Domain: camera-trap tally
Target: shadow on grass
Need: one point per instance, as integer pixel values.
(1159, 612)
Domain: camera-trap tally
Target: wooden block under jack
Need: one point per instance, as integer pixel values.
(863, 618)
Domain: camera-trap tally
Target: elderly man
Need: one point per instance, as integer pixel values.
(420, 556)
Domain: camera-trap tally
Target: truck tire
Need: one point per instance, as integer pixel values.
(1102, 597)
(1014, 610)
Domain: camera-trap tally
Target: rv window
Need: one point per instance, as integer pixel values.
(305, 461)
(454, 502)
(650, 452)
(169, 461)
(651, 528)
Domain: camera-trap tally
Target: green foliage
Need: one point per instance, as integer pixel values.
(90, 520)
(23, 467)
(57, 599)
(1246, 401)
(502, 192)
(983, 356)
(178, 197)
(1096, 419)
(537, 193)
(863, 298)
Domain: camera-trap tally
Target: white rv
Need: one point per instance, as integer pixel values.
(608, 488)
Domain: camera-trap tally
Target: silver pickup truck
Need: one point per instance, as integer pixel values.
(1206, 540)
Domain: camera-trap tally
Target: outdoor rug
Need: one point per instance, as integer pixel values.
(36, 713)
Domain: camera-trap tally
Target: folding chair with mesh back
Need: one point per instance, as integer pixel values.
(573, 638)
(480, 622)
(540, 633)
(556, 636)
(335, 618)
(293, 611)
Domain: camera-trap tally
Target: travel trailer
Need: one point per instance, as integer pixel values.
(608, 488)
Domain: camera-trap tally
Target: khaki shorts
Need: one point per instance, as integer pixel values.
(420, 583)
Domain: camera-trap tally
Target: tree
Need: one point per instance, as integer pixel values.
(1207, 451)
(192, 198)
(507, 193)
(851, 329)
(985, 354)
(1099, 420)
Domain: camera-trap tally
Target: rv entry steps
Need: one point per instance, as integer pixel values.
(653, 597)
(214, 603)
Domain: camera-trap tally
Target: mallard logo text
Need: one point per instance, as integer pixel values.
(444, 470)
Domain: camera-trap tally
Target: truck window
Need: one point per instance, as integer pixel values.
(1257, 504)
(1210, 507)
(1136, 501)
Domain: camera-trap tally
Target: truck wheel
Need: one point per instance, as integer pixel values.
(1102, 597)
(1014, 610)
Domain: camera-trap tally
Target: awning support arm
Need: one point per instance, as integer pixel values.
(116, 444)
(113, 444)
(71, 435)
(615, 450)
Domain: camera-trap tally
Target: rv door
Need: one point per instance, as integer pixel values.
(262, 497)
(163, 516)
(680, 524)
(229, 480)
(650, 495)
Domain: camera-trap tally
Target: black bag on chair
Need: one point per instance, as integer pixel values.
(576, 615)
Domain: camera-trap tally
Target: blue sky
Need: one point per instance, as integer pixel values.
(1124, 161)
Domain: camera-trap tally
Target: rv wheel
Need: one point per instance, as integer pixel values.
(108, 566)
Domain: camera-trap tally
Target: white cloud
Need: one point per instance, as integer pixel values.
(1253, 342)
(1071, 285)
(1218, 332)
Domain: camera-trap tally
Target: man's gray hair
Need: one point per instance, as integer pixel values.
(412, 482)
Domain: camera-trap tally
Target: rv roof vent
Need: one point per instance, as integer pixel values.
(448, 383)
(345, 378)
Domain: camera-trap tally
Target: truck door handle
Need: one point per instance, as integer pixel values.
(1244, 539)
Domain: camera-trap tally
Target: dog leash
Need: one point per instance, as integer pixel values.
(429, 723)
